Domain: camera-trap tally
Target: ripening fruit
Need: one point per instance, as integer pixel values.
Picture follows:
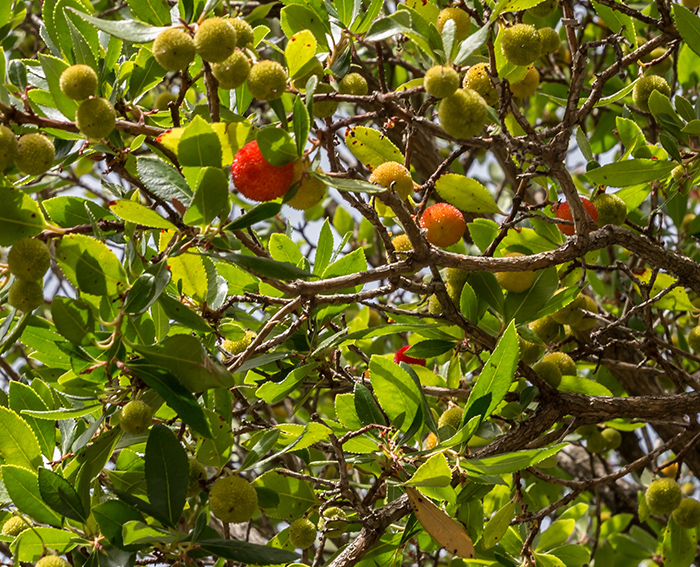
(515, 282)
(324, 108)
(163, 100)
(452, 417)
(669, 471)
(26, 295)
(393, 175)
(35, 154)
(663, 496)
(572, 313)
(528, 86)
(237, 347)
(596, 443)
(445, 224)
(460, 18)
(267, 80)
(334, 521)
(135, 417)
(688, 488)
(8, 147)
(564, 362)
(96, 118)
(310, 193)
(29, 259)
(687, 515)
(562, 212)
(521, 44)
(456, 277)
(174, 49)
(546, 328)
(549, 372)
(400, 357)
(550, 40)
(244, 32)
(611, 209)
(302, 533)
(232, 72)
(233, 499)
(440, 81)
(197, 472)
(78, 82)
(613, 438)
(431, 441)
(353, 84)
(215, 40)
(529, 352)
(258, 180)
(544, 9)
(477, 78)
(694, 339)
(462, 114)
(15, 526)
(647, 85)
(52, 561)
(402, 243)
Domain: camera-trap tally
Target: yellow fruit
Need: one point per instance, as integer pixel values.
(174, 49)
(78, 82)
(232, 72)
(544, 9)
(521, 44)
(431, 441)
(694, 339)
(688, 488)
(15, 526)
(237, 347)
(460, 18)
(462, 114)
(267, 80)
(8, 147)
(549, 372)
(528, 86)
(215, 40)
(302, 533)
(663, 496)
(440, 81)
(402, 243)
(564, 362)
(197, 472)
(29, 259)
(26, 295)
(324, 108)
(613, 438)
(393, 175)
(611, 209)
(550, 40)
(452, 417)
(310, 193)
(135, 417)
(669, 471)
(456, 277)
(334, 521)
(687, 515)
(353, 84)
(96, 118)
(233, 499)
(588, 321)
(244, 32)
(52, 561)
(647, 85)
(477, 78)
(516, 282)
(35, 154)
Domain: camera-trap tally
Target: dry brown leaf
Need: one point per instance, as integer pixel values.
(447, 532)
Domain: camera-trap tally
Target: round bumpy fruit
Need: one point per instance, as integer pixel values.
(564, 362)
(528, 86)
(452, 417)
(78, 82)
(310, 193)
(316, 71)
(52, 561)
(96, 118)
(237, 347)
(440, 81)
(35, 154)
(662, 67)
(26, 295)
(611, 209)
(572, 313)
(463, 113)
(394, 175)
(232, 72)
(663, 496)
(334, 521)
(402, 243)
(233, 499)
(529, 352)
(400, 357)
(521, 44)
(477, 79)
(324, 108)
(550, 40)
(135, 417)
(613, 438)
(546, 328)
(244, 32)
(564, 213)
(687, 515)
(460, 18)
(174, 49)
(15, 526)
(457, 277)
(353, 84)
(29, 259)
(163, 100)
(694, 339)
(197, 472)
(267, 80)
(516, 282)
(302, 533)
(647, 85)
(256, 178)
(8, 148)
(445, 224)
(588, 321)
(596, 443)
(544, 9)
(215, 40)
(549, 372)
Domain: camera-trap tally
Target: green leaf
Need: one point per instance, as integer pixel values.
(300, 49)
(183, 314)
(21, 398)
(167, 472)
(296, 17)
(688, 25)
(678, 547)
(471, 44)
(431, 348)
(396, 391)
(22, 486)
(395, 24)
(277, 146)
(137, 534)
(556, 534)
(510, 462)
(301, 125)
(630, 172)
(371, 147)
(466, 194)
(523, 306)
(60, 495)
(67, 211)
(295, 496)
(616, 21)
(434, 472)
(497, 526)
(247, 553)
(18, 444)
(189, 275)
(366, 407)
(154, 12)
(163, 179)
(258, 213)
(199, 145)
(274, 392)
(73, 319)
(63, 413)
(135, 212)
(266, 267)
(210, 198)
(32, 544)
(215, 452)
(579, 385)
(111, 515)
(20, 216)
(350, 185)
(147, 288)
(132, 31)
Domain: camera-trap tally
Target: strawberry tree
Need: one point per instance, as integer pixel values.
(349, 283)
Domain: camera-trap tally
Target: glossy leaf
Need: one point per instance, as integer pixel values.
(20, 216)
(135, 212)
(466, 194)
(22, 486)
(397, 393)
(371, 147)
(60, 495)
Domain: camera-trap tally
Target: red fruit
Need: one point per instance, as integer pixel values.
(444, 223)
(256, 178)
(562, 211)
(401, 357)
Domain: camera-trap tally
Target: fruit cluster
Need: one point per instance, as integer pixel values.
(33, 154)
(28, 261)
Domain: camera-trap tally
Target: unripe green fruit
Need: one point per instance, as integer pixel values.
(456, 278)
(324, 108)
(96, 118)
(453, 293)
(544, 9)
(267, 80)
(571, 314)
(35, 154)
(691, 4)
(587, 430)
(611, 209)
(237, 347)
(663, 496)
(353, 84)
(233, 72)
(549, 372)
(29, 259)
(393, 175)
(529, 352)
(647, 85)
(460, 18)
(135, 417)
(687, 515)
(8, 148)
(613, 438)
(316, 71)
(588, 321)
(660, 68)
(334, 521)
(521, 44)
(163, 100)
(440, 81)
(434, 305)
(452, 417)
(26, 295)
(244, 32)
(596, 443)
(694, 339)
(78, 82)
(528, 86)
(564, 362)
(515, 282)
(197, 472)
(477, 78)
(550, 40)
(302, 533)
(233, 499)
(462, 114)
(52, 561)
(546, 328)
(15, 526)
(402, 243)
(215, 40)
(174, 49)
